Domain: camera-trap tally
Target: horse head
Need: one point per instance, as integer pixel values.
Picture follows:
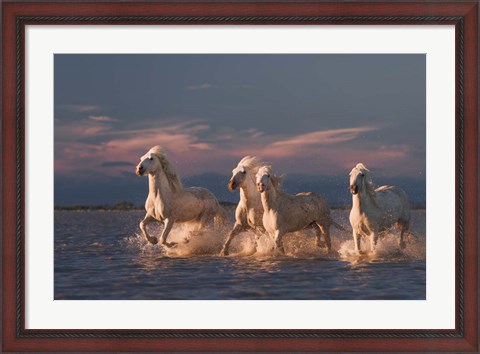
(150, 162)
(239, 174)
(262, 178)
(247, 165)
(358, 178)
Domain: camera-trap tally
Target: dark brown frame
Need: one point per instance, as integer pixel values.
(464, 15)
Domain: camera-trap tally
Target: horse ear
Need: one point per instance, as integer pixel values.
(362, 167)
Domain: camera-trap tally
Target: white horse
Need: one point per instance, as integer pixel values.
(284, 213)
(249, 212)
(168, 202)
(376, 210)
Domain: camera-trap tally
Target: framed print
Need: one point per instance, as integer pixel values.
(249, 176)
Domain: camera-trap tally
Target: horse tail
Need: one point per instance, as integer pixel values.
(338, 226)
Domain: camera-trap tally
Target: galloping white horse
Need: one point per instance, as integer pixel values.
(284, 213)
(168, 202)
(249, 212)
(376, 210)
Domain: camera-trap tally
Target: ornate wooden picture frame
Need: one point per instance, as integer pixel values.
(17, 15)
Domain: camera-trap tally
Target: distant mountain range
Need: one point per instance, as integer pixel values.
(102, 190)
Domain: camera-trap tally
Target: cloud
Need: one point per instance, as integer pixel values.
(323, 137)
(201, 87)
(80, 108)
(202, 146)
(102, 118)
(321, 152)
(93, 131)
(79, 130)
(83, 145)
(180, 138)
(194, 148)
(254, 141)
(207, 86)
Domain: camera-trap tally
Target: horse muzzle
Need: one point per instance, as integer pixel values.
(354, 189)
(260, 187)
(139, 171)
(232, 185)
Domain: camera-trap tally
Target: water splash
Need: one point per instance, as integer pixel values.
(387, 250)
(300, 244)
(209, 241)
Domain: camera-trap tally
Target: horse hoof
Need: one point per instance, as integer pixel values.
(321, 244)
(223, 253)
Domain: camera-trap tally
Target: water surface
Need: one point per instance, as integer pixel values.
(100, 255)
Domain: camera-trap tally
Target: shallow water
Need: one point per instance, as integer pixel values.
(100, 255)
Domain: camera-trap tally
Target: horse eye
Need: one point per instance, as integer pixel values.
(268, 175)
(150, 158)
(244, 172)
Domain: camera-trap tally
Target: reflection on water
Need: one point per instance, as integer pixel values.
(100, 255)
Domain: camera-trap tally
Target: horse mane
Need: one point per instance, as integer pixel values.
(172, 176)
(367, 181)
(276, 180)
(251, 162)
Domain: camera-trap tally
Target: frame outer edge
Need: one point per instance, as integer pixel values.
(471, 146)
(12, 342)
(8, 178)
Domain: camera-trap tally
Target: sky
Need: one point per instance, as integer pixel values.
(306, 114)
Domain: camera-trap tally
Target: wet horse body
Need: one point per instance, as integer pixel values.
(249, 211)
(168, 202)
(284, 213)
(376, 210)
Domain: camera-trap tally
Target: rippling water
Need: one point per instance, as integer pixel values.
(100, 255)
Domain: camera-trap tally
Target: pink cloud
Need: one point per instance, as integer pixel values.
(333, 136)
(320, 152)
(126, 145)
(102, 118)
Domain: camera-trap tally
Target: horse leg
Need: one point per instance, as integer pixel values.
(326, 233)
(319, 231)
(356, 241)
(373, 240)
(236, 230)
(148, 219)
(165, 232)
(258, 233)
(278, 236)
(318, 234)
(404, 228)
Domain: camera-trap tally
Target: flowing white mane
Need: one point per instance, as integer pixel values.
(251, 162)
(367, 181)
(172, 176)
